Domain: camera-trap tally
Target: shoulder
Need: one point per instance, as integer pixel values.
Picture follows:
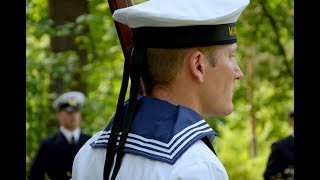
(51, 138)
(49, 142)
(88, 162)
(199, 159)
(199, 152)
(282, 142)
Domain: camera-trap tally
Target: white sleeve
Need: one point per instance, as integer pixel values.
(199, 171)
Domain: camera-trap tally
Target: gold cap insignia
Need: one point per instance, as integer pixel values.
(72, 101)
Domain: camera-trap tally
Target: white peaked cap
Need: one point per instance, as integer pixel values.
(71, 99)
(174, 13)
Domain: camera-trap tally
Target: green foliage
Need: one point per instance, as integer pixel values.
(102, 73)
(232, 150)
(265, 36)
(233, 143)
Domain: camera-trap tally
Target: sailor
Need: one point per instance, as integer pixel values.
(183, 54)
(56, 152)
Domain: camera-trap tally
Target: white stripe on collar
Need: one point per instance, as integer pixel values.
(154, 149)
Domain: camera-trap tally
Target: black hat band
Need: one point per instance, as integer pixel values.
(68, 107)
(184, 36)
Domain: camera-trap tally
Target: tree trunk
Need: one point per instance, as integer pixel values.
(62, 11)
(252, 119)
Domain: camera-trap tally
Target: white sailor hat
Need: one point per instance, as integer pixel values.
(181, 23)
(70, 101)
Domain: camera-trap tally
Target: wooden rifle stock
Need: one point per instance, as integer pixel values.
(124, 31)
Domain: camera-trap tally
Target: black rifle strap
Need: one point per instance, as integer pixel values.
(207, 142)
(116, 127)
(137, 57)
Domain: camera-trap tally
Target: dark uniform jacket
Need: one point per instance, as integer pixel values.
(281, 160)
(55, 157)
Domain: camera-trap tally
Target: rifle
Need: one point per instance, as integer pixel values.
(124, 31)
(125, 38)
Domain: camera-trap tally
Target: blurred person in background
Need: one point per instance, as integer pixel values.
(56, 152)
(280, 164)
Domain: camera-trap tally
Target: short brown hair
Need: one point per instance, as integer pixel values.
(162, 65)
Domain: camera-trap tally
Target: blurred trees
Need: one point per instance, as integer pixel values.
(265, 38)
(101, 74)
(64, 14)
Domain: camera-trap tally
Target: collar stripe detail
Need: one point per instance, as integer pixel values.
(140, 143)
(181, 135)
(157, 150)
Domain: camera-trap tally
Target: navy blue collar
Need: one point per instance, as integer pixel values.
(161, 130)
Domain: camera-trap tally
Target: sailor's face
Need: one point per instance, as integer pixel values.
(69, 119)
(220, 80)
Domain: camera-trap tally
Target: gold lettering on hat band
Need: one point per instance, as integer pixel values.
(232, 31)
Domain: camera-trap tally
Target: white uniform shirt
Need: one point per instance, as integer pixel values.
(69, 134)
(198, 162)
(164, 143)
